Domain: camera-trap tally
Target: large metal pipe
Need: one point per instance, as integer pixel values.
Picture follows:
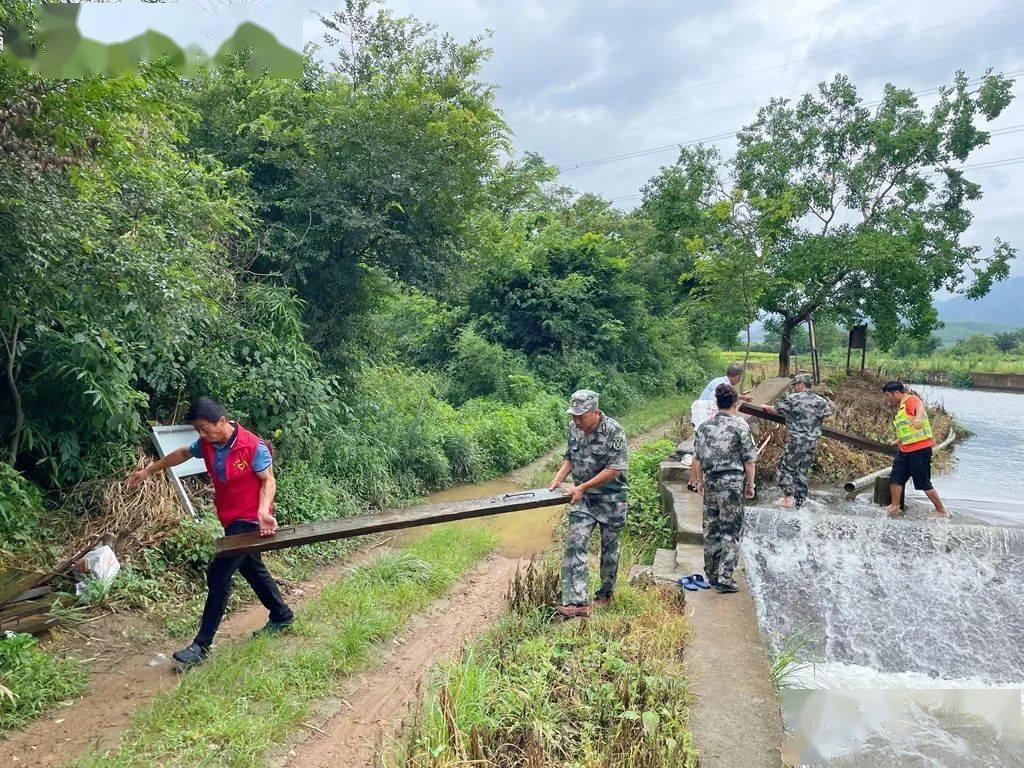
(858, 485)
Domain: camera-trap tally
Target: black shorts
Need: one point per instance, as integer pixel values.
(915, 464)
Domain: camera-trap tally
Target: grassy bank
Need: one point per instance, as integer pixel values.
(251, 695)
(609, 692)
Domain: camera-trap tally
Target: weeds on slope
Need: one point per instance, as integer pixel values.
(251, 695)
(606, 692)
(32, 680)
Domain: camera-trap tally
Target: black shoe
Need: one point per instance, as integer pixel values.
(191, 656)
(726, 588)
(274, 627)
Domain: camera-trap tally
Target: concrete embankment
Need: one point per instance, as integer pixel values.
(736, 718)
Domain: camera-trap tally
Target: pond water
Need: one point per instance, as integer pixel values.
(989, 466)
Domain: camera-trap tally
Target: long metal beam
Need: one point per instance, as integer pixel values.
(361, 525)
(836, 434)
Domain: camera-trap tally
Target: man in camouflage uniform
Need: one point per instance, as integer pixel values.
(724, 457)
(596, 456)
(804, 410)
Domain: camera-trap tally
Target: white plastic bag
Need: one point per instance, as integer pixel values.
(102, 564)
(702, 410)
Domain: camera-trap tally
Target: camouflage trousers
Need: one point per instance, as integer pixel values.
(583, 517)
(797, 457)
(723, 521)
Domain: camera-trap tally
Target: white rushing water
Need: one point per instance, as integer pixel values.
(916, 628)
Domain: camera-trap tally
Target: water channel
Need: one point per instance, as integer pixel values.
(910, 629)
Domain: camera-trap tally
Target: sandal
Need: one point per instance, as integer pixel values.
(688, 584)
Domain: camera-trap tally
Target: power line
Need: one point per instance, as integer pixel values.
(722, 136)
(783, 65)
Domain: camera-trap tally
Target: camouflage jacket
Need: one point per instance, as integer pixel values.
(804, 412)
(723, 443)
(604, 448)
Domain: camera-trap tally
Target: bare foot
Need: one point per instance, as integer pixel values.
(786, 502)
(892, 511)
(940, 514)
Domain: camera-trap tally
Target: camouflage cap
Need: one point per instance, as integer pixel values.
(803, 378)
(582, 401)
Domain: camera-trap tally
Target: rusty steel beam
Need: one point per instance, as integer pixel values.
(835, 434)
(391, 520)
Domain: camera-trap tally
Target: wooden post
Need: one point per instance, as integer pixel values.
(815, 365)
(882, 493)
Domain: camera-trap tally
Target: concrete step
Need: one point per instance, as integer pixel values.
(665, 569)
(687, 508)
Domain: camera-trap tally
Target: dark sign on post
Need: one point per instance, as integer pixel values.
(858, 340)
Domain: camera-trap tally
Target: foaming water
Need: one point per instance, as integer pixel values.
(916, 628)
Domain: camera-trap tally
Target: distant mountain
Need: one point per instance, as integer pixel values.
(954, 330)
(1003, 305)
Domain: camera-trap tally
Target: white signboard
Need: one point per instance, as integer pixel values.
(170, 438)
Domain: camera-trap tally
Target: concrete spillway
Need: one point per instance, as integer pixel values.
(897, 596)
(913, 628)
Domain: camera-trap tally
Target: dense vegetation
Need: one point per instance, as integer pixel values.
(350, 261)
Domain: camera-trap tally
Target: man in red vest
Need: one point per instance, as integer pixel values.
(240, 464)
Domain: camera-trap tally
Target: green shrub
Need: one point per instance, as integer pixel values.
(21, 508)
(481, 368)
(305, 495)
(35, 679)
(647, 525)
(960, 379)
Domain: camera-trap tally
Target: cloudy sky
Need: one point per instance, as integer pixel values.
(586, 82)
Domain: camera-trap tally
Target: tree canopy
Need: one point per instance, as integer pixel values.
(840, 210)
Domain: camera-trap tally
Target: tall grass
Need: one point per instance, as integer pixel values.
(788, 661)
(608, 692)
(251, 695)
(33, 680)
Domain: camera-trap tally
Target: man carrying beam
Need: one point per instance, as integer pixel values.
(240, 464)
(804, 410)
(596, 456)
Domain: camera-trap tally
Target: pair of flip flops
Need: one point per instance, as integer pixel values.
(693, 582)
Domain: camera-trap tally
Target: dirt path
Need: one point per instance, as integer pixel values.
(127, 674)
(351, 726)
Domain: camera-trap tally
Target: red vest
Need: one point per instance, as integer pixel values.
(237, 497)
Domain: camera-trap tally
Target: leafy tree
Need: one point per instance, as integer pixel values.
(1008, 340)
(106, 241)
(978, 344)
(850, 212)
(375, 162)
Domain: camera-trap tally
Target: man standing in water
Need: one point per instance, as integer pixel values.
(596, 456)
(914, 457)
(724, 465)
(804, 410)
(241, 467)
